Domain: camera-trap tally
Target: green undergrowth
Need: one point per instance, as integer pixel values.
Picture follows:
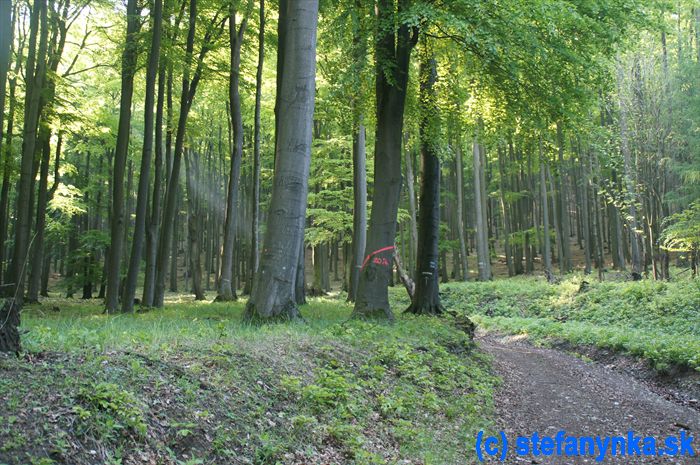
(190, 384)
(658, 321)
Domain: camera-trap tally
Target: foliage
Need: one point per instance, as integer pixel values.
(658, 321)
(208, 387)
(682, 231)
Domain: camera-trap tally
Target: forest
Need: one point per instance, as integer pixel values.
(327, 232)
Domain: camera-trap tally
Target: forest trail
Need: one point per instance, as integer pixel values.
(546, 391)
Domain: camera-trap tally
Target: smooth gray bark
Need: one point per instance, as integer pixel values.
(359, 222)
(255, 187)
(460, 213)
(227, 291)
(480, 206)
(273, 295)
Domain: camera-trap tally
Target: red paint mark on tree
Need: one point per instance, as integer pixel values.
(377, 260)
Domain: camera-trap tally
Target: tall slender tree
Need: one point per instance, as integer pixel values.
(146, 156)
(35, 73)
(359, 162)
(227, 291)
(117, 230)
(255, 185)
(426, 299)
(190, 82)
(6, 36)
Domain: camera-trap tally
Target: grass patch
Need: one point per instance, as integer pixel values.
(658, 321)
(191, 384)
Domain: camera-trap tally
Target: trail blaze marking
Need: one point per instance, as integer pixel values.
(377, 260)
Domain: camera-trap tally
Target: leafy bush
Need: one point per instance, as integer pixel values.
(110, 409)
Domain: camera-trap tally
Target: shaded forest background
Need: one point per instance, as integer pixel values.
(560, 136)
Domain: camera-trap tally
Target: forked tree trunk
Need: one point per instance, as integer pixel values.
(35, 73)
(394, 45)
(274, 295)
(147, 152)
(119, 220)
(426, 300)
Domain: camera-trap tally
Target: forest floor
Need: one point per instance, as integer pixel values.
(191, 384)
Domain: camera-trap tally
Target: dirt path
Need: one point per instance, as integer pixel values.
(546, 391)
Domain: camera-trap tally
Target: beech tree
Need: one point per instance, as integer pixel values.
(273, 293)
(144, 174)
(426, 299)
(118, 219)
(226, 288)
(392, 60)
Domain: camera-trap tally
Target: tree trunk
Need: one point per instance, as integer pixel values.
(153, 226)
(505, 213)
(255, 188)
(300, 282)
(321, 283)
(227, 290)
(6, 38)
(9, 334)
(460, 213)
(547, 245)
(412, 208)
(147, 152)
(37, 254)
(274, 295)
(563, 206)
(193, 222)
(35, 74)
(426, 300)
(393, 45)
(586, 227)
(482, 239)
(7, 157)
(631, 196)
(359, 223)
(189, 89)
(129, 59)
